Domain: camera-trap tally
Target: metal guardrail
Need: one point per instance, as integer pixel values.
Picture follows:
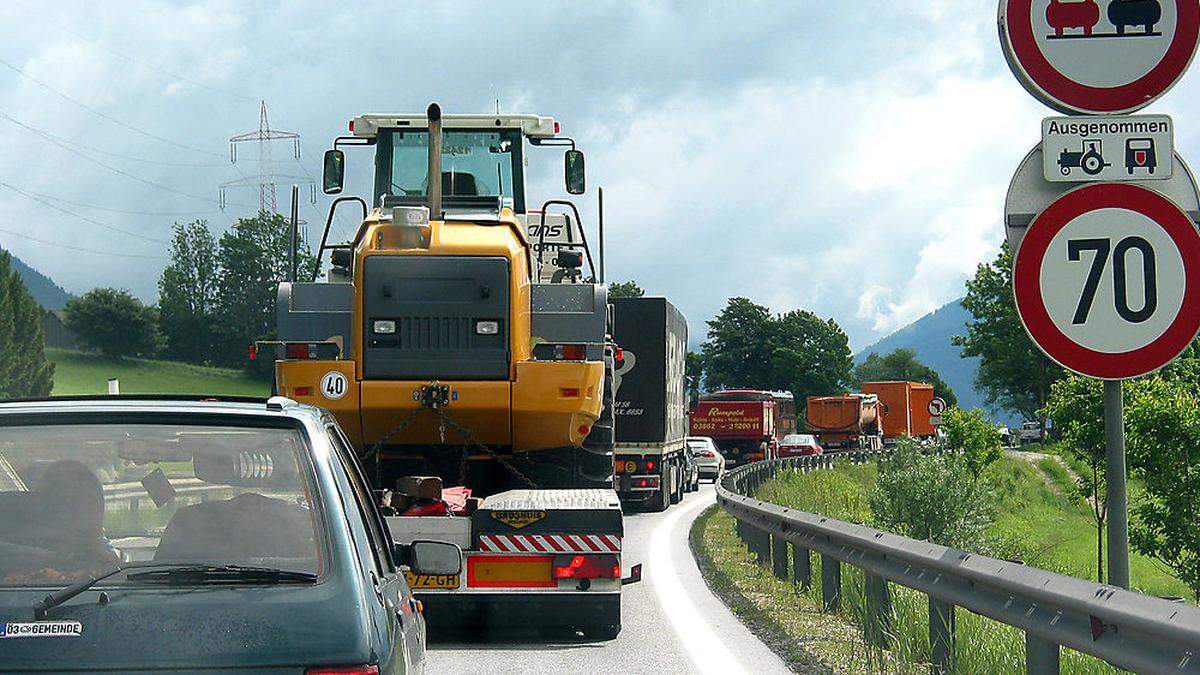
(1128, 630)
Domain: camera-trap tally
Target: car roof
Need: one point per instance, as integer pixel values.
(277, 406)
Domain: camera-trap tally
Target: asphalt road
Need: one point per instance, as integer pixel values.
(671, 622)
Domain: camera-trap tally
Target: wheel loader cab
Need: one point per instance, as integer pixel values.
(440, 287)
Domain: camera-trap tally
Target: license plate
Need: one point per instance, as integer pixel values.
(442, 581)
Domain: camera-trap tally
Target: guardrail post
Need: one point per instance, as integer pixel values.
(878, 624)
(831, 583)
(779, 557)
(1041, 656)
(762, 547)
(941, 637)
(801, 567)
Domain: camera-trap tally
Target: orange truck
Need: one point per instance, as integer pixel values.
(905, 409)
(845, 421)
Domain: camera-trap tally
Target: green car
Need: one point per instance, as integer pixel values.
(192, 536)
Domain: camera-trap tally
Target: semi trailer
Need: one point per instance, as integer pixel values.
(746, 425)
(651, 393)
(845, 421)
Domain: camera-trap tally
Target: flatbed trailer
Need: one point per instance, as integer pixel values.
(547, 556)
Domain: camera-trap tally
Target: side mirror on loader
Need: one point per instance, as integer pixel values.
(334, 174)
(573, 168)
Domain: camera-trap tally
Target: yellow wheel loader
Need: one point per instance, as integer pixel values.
(443, 339)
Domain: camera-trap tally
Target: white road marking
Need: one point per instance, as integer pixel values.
(704, 646)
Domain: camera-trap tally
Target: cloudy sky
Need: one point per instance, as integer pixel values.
(850, 158)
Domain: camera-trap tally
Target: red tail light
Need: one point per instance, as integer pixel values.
(351, 125)
(574, 352)
(587, 567)
(350, 670)
(650, 464)
(299, 351)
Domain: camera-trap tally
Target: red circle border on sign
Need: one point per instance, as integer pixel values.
(1027, 269)
(1084, 98)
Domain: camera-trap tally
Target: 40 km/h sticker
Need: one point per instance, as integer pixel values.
(1099, 56)
(334, 385)
(1107, 281)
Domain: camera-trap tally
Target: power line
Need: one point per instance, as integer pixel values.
(131, 59)
(110, 118)
(114, 169)
(29, 195)
(127, 212)
(80, 248)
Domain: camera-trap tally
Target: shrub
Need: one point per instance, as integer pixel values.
(933, 498)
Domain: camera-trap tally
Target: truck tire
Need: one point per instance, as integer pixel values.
(676, 483)
(662, 499)
(594, 460)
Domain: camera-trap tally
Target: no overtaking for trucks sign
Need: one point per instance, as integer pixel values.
(1099, 56)
(1107, 281)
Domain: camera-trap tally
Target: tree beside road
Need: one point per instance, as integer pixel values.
(24, 370)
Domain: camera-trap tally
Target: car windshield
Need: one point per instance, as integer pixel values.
(799, 439)
(78, 499)
(474, 163)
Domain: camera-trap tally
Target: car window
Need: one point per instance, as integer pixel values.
(363, 503)
(78, 498)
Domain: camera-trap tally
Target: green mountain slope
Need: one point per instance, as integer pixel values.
(47, 293)
(929, 337)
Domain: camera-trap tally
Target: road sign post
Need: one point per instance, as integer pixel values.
(1117, 497)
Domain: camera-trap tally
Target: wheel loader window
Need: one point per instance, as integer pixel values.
(474, 163)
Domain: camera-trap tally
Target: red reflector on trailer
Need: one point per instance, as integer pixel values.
(584, 430)
(351, 126)
(557, 127)
(302, 391)
(650, 465)
(298, 351)
(574, 352)
(253, 352)
(351, 670)
(570, 393)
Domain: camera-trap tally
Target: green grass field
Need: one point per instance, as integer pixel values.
(77, 373)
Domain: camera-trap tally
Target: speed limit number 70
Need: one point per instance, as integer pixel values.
(1107, 281)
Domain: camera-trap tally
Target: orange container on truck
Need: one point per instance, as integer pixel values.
(904, 409)
(845, 421)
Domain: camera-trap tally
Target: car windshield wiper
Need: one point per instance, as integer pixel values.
(66, 593)
(191, 574)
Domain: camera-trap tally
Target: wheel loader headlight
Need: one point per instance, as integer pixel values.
(487, 327)
(385, 327)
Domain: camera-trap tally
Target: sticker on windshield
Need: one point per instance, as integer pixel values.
(41, 629)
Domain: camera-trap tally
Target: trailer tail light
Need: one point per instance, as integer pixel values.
(295, 350)
(573, 352)
(302, 391)
(557, 126)
(647, 482)
(587, 567)
(351, 125)
(349, 670)
(650, 464)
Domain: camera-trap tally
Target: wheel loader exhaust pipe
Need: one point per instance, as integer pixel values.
(435, 161)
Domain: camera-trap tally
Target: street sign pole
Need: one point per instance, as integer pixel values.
(1117, 496)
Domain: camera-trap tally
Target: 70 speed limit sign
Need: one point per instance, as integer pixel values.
(1107, 281)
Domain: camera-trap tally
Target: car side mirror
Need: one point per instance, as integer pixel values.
(431, 557)
(334, 175)
(573, 169)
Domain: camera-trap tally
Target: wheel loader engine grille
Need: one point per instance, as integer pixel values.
(435, 317)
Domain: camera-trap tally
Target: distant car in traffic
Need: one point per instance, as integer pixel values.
(691, 470)
(186, 535)
(709, 461)
(796, 445)
(1032, 432)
